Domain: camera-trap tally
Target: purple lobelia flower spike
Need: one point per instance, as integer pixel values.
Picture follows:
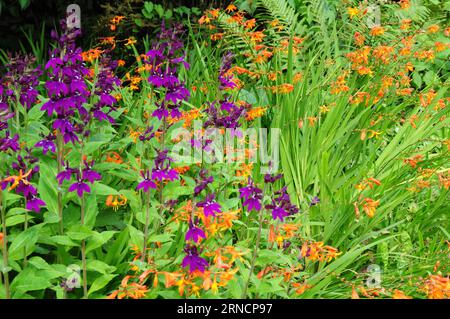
(147, 183)
(252, 196)
(193, 260)
(210, 206)
(194, 233)
(281, 206)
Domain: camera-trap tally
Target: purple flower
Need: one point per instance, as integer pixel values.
(147, 135)
(89, 174)
(80, 187)
(281, 206)
(272, 178)
(35, 204)
(66, 174)
(193, 260)
(160, 112)
(210, 206)
(23, 79)
(314, 201)
(225, 79)
(46, 145)
(203, 182)
(9, 143)
(162, 169)
(279, 212)
(147, 183)
(194, 233)
(252, 196)
(165, 57)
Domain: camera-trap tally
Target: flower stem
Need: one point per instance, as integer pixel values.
(255, 250)
(25, 227)
(59, 158)
(83, 253)
(147, 222)
(5, 247)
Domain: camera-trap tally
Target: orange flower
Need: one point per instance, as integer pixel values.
(17, 179)
(444, 180)
(227, 219)
(114, 157)
(130, 41)
(370, 206)
(182, 169)
(171, 278)
(359, 39)
(437, 287)
(312, 120)
(352, 12)
(255, 113)
(354, 293)
(256, 36)
(404, 4)
(250, 24)
(114, 202)
(364, 70)
(398, 294)
(133, 290)
(301, 287)
(1, 241)
(230, 8)
(376, 31)
(405, 91)
(406, 23)
(217, 36)
(433, 28)
(412, 161)
(117, 19)
(440, 46)
(91, 55)
(283, 88)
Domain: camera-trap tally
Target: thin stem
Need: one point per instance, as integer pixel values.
(25, 227)
(147, 222)
(255, 250)
(59, 158)
(83, 252)
(5, 247)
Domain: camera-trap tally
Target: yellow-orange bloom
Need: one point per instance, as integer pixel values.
(230, 8)
(17, 179)
(433, 28)
(352, 12)
(376, 31)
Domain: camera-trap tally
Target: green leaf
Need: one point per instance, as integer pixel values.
(98, 239)
(100, 282)
(48, 186)
(79, 232)
(105, 190)
(99, 266)
(160, 238)
(24, 241)
(63, 240)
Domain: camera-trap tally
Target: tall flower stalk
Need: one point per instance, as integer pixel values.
(5, 246)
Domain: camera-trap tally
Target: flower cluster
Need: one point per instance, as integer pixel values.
(66, 86)
(23, 79)
(82, 176)
(165, 59)
(160, 172)
(281, 206)
(225, 113)
(21, 182)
